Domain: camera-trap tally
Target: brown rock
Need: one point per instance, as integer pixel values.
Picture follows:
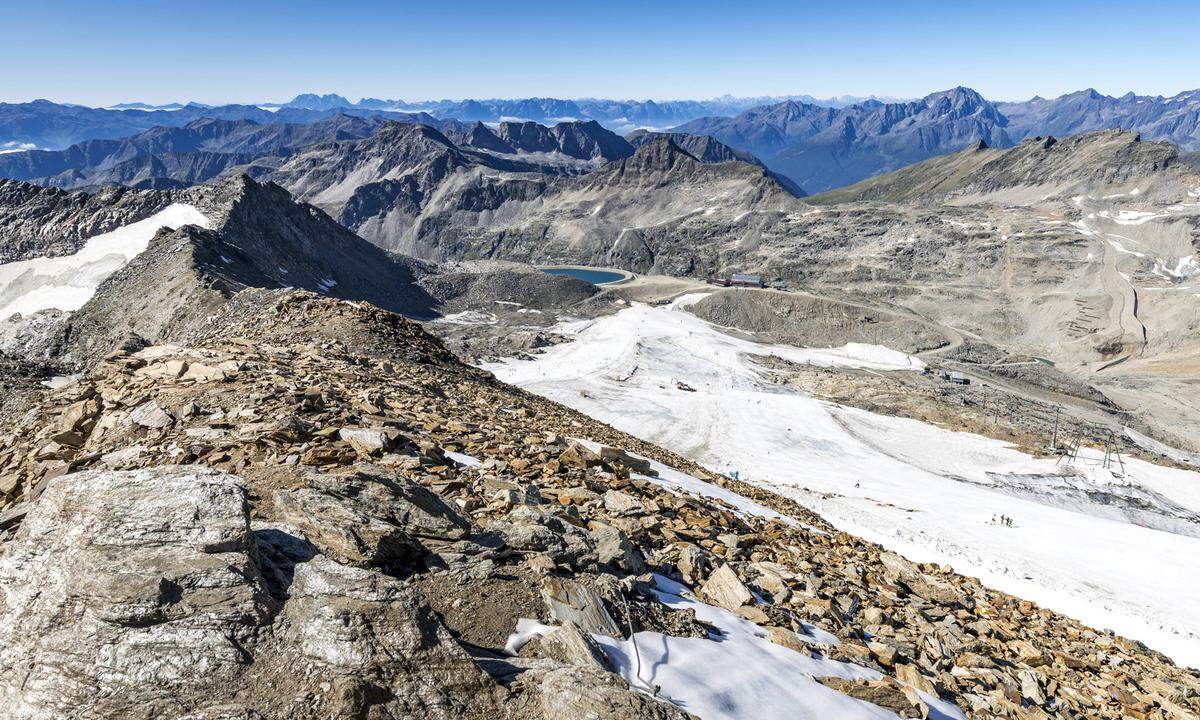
(725, 589)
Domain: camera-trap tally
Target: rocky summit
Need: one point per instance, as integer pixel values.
(320, 507)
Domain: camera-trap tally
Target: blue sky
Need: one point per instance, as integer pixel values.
(262, 50)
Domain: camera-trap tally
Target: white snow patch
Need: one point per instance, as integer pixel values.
(1185, 267)
(527, 630)
(58, 381)
(1122, 249)
(469, 317)
(740, 675)
(1131, 217)
(461, 459)
(67, 282)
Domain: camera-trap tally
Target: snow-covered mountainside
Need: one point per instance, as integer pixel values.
(1115, 546)
(67, 282)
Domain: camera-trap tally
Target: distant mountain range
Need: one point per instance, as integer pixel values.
(54, 126)
(817, 144)
(823, 148)
(543, 110)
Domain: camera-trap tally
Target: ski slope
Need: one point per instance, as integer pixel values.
(1114, 552)
(67, 282)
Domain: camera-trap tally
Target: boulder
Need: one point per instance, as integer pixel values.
(124, 593)
(725, 588)
(571, 646)
(614, 549)
(899, 570)
(376, 643)
(572, 693)
(571, 602)
(370, 441)
(368, 517)
(150, 415)
(531, 529)
(636, 464)
(141, 595)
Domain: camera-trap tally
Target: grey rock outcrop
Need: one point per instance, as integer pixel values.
(120, 585)
(140, 595)
(369, 517)
(40, 222)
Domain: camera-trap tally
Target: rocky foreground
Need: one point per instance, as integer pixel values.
(311, 509)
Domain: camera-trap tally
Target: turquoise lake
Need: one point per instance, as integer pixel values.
(595, 277)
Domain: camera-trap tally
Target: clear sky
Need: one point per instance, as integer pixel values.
(100, 53)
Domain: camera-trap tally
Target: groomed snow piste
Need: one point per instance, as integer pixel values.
(1119, 552)
(69, 281)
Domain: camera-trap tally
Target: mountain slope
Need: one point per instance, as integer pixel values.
(253, 235)
(1077, 163)
(616, 215)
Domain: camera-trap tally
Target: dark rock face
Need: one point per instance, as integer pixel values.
(581, 140)
(704, 148)
(480, 136)
(708, 149)
(44, 222)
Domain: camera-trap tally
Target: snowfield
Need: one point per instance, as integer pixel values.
(69, 281)
(1113, 549)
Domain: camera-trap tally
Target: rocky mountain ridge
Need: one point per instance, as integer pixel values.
(1090, 160)
(257, 237)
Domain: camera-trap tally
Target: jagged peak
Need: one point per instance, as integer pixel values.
(394, 131)
(959, 95)
(661, 151)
